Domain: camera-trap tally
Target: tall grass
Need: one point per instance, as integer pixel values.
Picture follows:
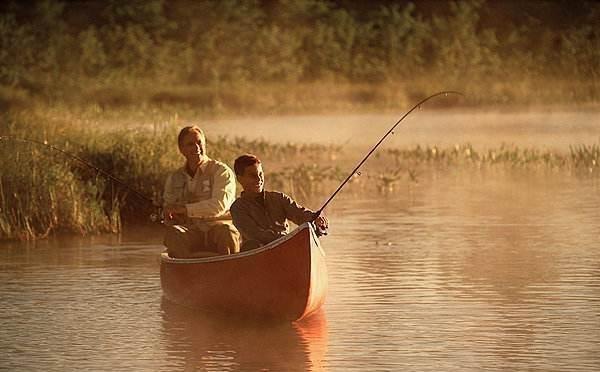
(43, 191)
(39, 194)
(77, 73)
(587, 157)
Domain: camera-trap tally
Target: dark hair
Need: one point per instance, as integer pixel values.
(244, 161)
(190, 129)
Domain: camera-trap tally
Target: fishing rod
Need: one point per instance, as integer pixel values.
(390, 131)
(154, 217)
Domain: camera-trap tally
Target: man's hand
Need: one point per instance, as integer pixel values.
(322, 224)
(175, 213)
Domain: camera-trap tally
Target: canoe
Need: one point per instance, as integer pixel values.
(286, 279)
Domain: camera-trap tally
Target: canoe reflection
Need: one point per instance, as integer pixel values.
(201, 341)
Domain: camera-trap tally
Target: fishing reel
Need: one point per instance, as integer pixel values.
(157, 216)
(320, 231)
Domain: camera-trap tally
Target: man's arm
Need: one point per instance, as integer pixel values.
(174, 213)
(248, 227)
(299, 215)
(171, 191)
(295, 212)
(223, 195)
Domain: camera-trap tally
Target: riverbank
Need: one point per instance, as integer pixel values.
(64, 196)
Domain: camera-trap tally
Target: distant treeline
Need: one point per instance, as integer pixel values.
(218, 52)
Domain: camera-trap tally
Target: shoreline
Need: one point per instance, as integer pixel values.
(68, 199)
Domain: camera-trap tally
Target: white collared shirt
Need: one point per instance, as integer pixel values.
(181, 188)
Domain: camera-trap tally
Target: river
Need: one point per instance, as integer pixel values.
(467, 270)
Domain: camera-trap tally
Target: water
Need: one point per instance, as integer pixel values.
(465, 271)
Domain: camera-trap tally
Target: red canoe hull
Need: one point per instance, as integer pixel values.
(286, 279)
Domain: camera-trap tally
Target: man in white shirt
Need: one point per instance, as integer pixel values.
(196, 199)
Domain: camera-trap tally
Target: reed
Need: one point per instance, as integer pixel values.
(40, 194)
(508, 155)
(586, 157)
(43, 192)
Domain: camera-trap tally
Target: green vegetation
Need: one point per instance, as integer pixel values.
(240, 56)
(44, 191)
(78, 73)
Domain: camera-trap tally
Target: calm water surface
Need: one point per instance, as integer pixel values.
(469, 270)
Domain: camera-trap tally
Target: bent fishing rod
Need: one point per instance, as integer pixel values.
(390, 131)
(86, 163)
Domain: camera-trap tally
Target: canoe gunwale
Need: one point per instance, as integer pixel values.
(307, 225)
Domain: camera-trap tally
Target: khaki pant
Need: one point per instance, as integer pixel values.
(211, 240)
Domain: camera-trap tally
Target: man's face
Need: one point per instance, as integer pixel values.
(253, 179)
(191, 148)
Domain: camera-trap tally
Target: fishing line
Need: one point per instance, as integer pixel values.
(390, 131)
(143, 197)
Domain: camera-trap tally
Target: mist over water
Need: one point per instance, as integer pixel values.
(552, 130)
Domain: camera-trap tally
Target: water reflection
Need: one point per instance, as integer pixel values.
(463, 271)
(473, 270)
(199, 341)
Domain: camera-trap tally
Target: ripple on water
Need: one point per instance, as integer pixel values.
(498, 274)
